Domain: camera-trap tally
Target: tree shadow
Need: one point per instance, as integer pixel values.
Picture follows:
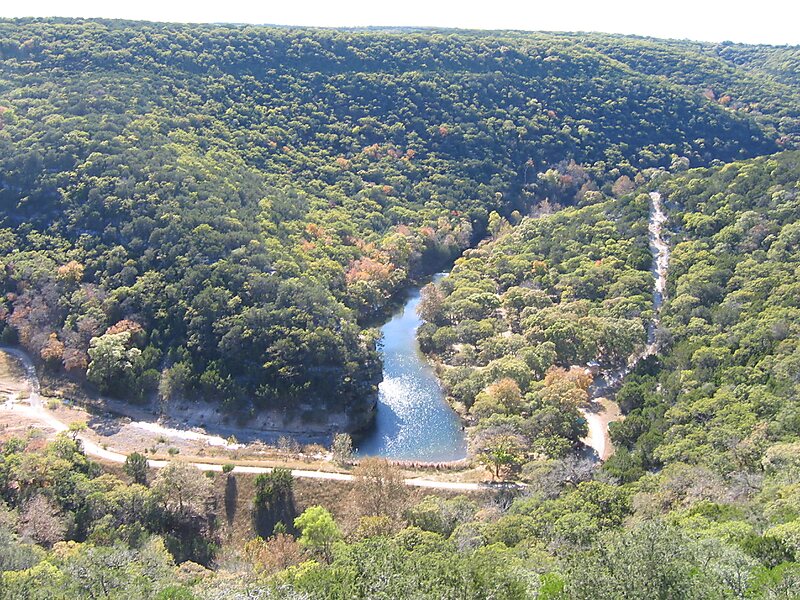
(282, 510)
(274, 503)
(231, 498)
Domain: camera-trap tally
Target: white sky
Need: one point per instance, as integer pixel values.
(754, 21)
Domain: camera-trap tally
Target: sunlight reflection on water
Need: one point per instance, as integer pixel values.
(413, 420)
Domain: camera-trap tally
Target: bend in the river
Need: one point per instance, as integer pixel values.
(413, 420)
(33, 409)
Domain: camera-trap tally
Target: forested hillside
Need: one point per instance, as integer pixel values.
(225, 212)
(217, 212)
(701, 494)
(566, 288)
(760, 81)
(724, 393)
(573, 287)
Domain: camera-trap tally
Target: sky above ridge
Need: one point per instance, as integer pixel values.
(763, 22)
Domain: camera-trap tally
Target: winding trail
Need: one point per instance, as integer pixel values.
(35, 410)
(660, 250)
(602, 410)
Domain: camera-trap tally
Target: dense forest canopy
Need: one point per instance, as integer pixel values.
(761, 81)
(724, 392)
(567, 288)
(574, 287)
(707, 455)
(223, 212)
(218, 211)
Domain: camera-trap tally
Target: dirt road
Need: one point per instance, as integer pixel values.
(602, 410)
(33, 409)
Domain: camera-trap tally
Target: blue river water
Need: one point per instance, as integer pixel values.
(413, 420)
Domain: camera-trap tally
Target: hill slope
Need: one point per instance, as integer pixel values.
(218, 211)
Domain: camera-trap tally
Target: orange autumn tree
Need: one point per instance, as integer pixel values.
(53, 350)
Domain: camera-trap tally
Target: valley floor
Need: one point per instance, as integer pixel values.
(111, 440)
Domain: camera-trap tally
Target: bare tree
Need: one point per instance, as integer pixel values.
(276, 553)
(183, 489)
(379, 488)
(41, 521)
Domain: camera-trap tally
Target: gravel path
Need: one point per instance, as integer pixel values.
(35, 410)
(601, 410)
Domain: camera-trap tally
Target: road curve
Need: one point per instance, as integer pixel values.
(37, 412)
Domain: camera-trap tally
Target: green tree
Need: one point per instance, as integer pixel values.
(441, 515)
(76, 428)
(318, 531)
(113, 363)
(501, 455)
(136, 467)
(274, 501)
(502, 397)
(118, 572)
(651, 562)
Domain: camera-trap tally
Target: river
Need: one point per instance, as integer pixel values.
(413, 420)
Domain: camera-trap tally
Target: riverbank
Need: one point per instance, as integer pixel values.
(414, 423)
(27, 411)
(179, 416)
